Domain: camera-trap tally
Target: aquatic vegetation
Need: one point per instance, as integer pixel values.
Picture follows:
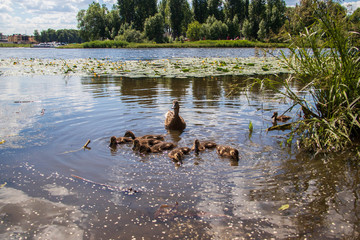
(326, 63)
(185, 67)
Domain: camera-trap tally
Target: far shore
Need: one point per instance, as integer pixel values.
(175, 44)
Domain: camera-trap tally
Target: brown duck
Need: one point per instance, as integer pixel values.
(227, 151)
(201, 146)
(173, 121)
(177, 154)
(281, 118)
(120, 140)
(132, 135)
(162, 146)
(142, 147)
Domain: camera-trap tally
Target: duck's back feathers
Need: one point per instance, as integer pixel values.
(227, 151)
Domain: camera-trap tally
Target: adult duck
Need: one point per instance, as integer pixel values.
(227, 151)
(173, 121)
(130, 134)
(201, 146)
(282, 118)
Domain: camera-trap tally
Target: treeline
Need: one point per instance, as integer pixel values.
(62, 35)
(164, 21)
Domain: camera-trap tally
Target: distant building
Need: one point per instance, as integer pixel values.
(3, 38)
(19, 38)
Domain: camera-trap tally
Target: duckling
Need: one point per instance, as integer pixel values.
(162, 146)
(176, 155)
(132, 135)
(113, 142)
(281, 118)
(181, 151)
(173, 121)
(141, 147)
(227, 151)
(201, 146)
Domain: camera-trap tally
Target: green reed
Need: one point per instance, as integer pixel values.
(326, 64)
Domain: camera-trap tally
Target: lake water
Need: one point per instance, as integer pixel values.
(55, 189)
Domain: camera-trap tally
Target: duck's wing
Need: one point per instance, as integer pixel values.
(168, 117)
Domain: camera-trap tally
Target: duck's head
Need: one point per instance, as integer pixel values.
(113, 141)
(196, 145)
(129, 134)
(234, 153)
(175, 105)
(275, 115)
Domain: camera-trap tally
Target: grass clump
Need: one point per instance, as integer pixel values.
(326, 63)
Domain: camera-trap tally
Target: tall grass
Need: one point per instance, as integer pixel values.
(327, 64)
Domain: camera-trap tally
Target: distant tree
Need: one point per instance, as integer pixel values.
(256, 14)
(193, 31)
(154, 28)
(129, 34)
(200, 9)
(262, 30)
(92, 22)
(235, 7)
(214, 29)
(275, 15)
(37, 36)
(113, 22)
(247, 29)
(126, 11)
(179, 16)
(215, 8)
(136, 11)
(233, 27)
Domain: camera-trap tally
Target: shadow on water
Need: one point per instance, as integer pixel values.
(55, 189)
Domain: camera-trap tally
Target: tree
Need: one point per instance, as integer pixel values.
(262, 30)
(136, 11)
(92, 22)
(37, 36)
(275, 15)
(215, 9)
(154, 28)
(200, 10)
(256, 14)
(126, 11)
(235, 7)
(143, 10)
(180, 16)
(214, 29)
(233, 27)
(193, 31)
(247, 29)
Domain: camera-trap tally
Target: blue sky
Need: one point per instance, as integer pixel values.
(24, 16)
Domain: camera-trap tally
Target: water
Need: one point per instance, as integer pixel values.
(131, 54)
(270, 193)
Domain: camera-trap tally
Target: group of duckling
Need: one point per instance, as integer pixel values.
(173, 121)
(156, 144)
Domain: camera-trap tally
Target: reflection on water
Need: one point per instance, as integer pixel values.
(46, 121)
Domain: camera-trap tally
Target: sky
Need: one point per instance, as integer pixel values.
(25, 16)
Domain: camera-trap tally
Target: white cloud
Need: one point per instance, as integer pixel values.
(352, 6)
(5, 6)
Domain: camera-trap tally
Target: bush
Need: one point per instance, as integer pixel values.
(154, 28)
(193, 32)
